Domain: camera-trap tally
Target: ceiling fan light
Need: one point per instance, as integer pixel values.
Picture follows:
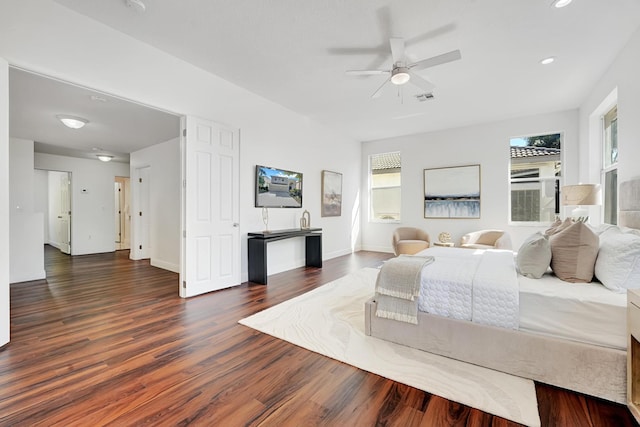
(105, 157)
(72, 122)
(400, 76)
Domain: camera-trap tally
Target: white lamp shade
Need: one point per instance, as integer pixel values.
(581, 195)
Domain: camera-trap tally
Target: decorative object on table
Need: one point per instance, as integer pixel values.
(452, 192)
(581, 196)
(265, 218)
(305, 220)
(444, 237)
(331, 193)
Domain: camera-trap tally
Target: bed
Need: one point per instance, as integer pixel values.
(570, 335)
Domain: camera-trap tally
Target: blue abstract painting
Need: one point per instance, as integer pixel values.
(452, 192)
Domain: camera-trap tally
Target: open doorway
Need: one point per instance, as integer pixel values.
(122, 200)
(53, 199)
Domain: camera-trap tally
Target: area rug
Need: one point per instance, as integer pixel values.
(330, 320)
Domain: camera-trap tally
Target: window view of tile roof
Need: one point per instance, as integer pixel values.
(528, 151)
(385, 161)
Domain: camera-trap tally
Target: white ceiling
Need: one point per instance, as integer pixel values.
(116, 127)
(295, 53)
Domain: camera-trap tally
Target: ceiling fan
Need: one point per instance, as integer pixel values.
(402, 72)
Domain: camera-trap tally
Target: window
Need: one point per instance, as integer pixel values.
(535, 171)
(384, 181)
(609, 179)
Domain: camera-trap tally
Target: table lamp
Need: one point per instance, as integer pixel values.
(581, 195)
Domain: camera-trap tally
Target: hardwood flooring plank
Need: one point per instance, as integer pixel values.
(108, 341)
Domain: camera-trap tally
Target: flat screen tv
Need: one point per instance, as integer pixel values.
(278, 188)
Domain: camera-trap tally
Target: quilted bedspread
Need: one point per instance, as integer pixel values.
(480, 286)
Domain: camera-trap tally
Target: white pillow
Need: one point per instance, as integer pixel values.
(618, 263)
(534, 256)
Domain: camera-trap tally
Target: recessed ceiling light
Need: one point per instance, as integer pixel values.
(561, 3)
(547, 61)
(105, 157)
(72, 122)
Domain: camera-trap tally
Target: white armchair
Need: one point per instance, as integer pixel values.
(487, 239)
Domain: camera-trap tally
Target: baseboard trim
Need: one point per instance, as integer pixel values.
(165, 265)
(28, 277)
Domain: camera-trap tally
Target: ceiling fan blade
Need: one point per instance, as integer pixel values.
(366, 72)
(454, 55)
(422, 83)
(397, 49)
(378, 91)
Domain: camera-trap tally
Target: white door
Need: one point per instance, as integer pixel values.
(210, 257)
(142, 214)
(64, 215)
(122, 215)
(117, 199)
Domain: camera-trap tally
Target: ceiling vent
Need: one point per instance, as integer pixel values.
(424, 97)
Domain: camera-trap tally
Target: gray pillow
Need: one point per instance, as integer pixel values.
(534, 256)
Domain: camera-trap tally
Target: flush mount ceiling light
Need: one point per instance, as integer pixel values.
(136, 5)
(547, 61)
(561, 3)
(105, 157)
(400, 75)
(72, 122)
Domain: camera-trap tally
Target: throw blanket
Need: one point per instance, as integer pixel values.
(398, 286)
(480, 286)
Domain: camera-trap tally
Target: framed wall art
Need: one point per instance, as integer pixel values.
(452, 192)
(331, 193)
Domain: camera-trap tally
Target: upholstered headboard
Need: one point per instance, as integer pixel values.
(629, 204)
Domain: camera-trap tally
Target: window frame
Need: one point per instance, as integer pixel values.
(604, 170)
(371, 216)
(557, 179)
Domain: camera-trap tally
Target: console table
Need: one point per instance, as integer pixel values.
(257, 249)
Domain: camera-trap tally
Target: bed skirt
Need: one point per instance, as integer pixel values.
(589, 369)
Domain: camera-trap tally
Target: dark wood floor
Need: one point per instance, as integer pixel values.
(107, 341)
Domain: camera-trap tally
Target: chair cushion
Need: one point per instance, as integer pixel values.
(411, 247)
(476, 246)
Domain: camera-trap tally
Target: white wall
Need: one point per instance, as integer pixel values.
(92, 201)
(112, 62)
(164, 199)
(27, 230)
(623, 76)
(4, 202)
(487, 145)
(41, 198)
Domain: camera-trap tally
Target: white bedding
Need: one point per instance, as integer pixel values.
(584, 312)
(465, 284)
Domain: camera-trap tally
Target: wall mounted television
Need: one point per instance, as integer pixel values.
(278, 188)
